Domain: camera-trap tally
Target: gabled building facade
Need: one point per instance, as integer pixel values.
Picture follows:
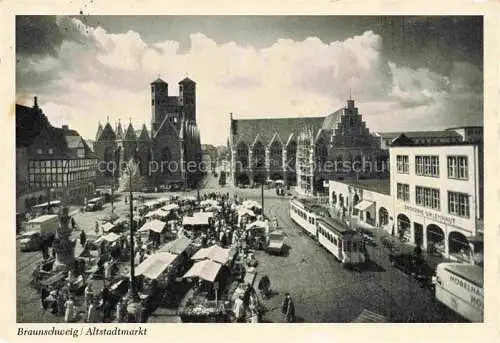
(169, 153)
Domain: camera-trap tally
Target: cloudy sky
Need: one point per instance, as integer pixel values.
(405, 73)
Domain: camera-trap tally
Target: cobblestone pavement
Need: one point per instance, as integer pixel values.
(323, 291)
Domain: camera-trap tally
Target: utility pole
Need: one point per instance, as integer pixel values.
(262, 196)
(133, 299)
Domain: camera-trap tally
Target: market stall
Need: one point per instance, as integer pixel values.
(156, 230)
(202, 302)
(214, 253)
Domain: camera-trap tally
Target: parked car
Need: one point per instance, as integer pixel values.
(148, 189)
(31, 241)
(413, 265)
(275, 242)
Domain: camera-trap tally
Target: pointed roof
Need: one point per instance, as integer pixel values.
(166, 125)
(186, 80)
(119, 130)
(99, 131)
(130, 134)
(107, 133)
(275, 137)
(144, 136)
(158, 81)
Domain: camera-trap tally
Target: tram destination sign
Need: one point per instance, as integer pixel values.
(430, 214)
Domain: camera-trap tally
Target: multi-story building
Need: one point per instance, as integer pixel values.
(339, 146)
(168, 154)
(51, 163)
(434, 198)
(438, 193)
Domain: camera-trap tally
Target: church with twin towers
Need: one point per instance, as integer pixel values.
(168, 152)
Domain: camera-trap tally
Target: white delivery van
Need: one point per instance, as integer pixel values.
(460, 287)
(46, 225)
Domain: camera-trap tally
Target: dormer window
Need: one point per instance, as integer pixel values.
(80, 153)
(51, 151)
(39, 151)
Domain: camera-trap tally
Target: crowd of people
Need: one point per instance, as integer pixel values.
(82, 301)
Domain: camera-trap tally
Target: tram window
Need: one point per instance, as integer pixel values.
(335, 241)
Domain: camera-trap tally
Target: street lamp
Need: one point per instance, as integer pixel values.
(133, 298)
(50, 192)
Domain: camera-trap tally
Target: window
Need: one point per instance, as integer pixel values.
(427, 166)
(458, 204)
(427, 197)
(458, 167)
(403, 191)
(39, 151)
(402, 163)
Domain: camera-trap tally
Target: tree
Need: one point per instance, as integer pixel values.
(130, 177)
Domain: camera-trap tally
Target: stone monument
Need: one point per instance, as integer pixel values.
(64, 244)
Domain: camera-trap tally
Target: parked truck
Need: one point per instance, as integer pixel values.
(459, 286)
(39, 230)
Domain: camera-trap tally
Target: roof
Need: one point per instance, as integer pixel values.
(213, 253)
(186, 80)
(472, 273)
(119, 131)
(198, 218)
(266, 128)
(108, 134)
(43, 218)
(144, 135)
(420, 134)
(332, 120)
(74, 142)
(178, 246)
(158, 80)
(337, 226)
(29, 123)
(376, 185)
(130, 134)
(155, 264)
(153, 225)
(206, 270)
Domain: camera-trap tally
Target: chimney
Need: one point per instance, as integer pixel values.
(35, 105)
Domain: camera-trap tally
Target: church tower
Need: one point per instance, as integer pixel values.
(187, 99)
(159, 97)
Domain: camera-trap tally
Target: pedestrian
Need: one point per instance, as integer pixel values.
(88, 295)
(96, 228)
(264, 286)
(83, 238)
(69, 315)
(239, 310)
(92, 313)
(44, 295)
(288, 309)
(73, 223)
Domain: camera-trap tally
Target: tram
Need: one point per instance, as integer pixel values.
(345, 244)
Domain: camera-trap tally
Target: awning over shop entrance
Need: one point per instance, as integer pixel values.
(363, 205)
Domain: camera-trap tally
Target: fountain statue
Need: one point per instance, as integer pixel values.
(64, 245)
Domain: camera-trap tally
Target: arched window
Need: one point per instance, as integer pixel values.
(276, 157)
(165, 161)
(242, 155)
(291, 154)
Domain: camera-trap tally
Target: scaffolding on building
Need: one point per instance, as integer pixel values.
(305, 162)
